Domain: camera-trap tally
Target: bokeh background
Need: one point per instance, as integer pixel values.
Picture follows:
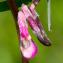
(9, 45)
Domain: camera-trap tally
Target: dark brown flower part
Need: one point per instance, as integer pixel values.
(35, 1)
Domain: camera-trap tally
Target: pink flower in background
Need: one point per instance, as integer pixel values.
(41, 35)
(34, 22)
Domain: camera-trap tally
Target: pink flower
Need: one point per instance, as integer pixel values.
(34, 22)
(29, 52)
(28, 48)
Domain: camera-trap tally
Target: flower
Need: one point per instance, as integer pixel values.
(27, 45)
(35, 24)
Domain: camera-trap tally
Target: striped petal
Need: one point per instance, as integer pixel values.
(27, 46)
(35, 24)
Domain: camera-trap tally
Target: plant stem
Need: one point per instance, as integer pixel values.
(14, 9)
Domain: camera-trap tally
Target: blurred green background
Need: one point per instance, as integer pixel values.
(9, 45)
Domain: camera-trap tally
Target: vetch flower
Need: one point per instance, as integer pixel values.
(27, 45)
(34, 22)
